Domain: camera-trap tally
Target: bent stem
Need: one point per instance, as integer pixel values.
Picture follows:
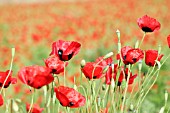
(10, 69)
(32, 102)
(142, 39)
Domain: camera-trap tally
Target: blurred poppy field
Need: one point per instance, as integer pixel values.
(32, 28)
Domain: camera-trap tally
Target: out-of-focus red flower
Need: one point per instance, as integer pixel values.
(35, 108)
(1, 100)
(124, 75)
(148, 24)
(10, 80)
(130, 55)
(65, 50)
(69, 97)
(55, 64)
(168, 40)
(35, 76)
(151, 56)
(88, 70)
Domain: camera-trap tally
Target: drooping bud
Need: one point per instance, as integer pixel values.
(108, 55)
(159, 64)
(83, 63)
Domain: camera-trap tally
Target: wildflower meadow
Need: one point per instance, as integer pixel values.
(84, 56)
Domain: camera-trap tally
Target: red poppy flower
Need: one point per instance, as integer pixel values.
(130, 55)
(134, 55)
(168, 39)
(122, 76)
(124, 51)
(88, 70)
(35, 76)
(104, 63)
(1, 100)
(35, 109)
(56, 65)
(148, 24)
(69, 97)
(151, 56)
(65, 50)
(10, 80)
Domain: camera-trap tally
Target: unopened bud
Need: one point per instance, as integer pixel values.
(75, 87)
(159, 49)
(105, 69)
(118, 34)
(166, 96)
(98, 101)
(83, 63)
(140, 65)
(108, 55)
(104, 87)
(13, 52)
(15, 106)
(137, 44)
(112, 84)
(159, 64)
(131, 107)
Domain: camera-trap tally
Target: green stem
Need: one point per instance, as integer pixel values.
(124, 96)
(10, 70)
(32, 102)
(142, 39)
(64, 72)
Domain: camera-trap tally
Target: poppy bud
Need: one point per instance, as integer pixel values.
(166, 96)
(140, 65)
(83, 63)
(137, 44)
(15, 106)
(104, 87)
(113, 84)
(98, 101)
(13, 52)
(118, 34)
(131, 107)
(159, 49)
(159, 64)
(108, 55)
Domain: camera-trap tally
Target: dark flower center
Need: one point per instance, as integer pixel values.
(60, 53)
(124, 57)
(71, 103)
(147, 29)
(134, 59)
(119, 83)
(150, 64)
